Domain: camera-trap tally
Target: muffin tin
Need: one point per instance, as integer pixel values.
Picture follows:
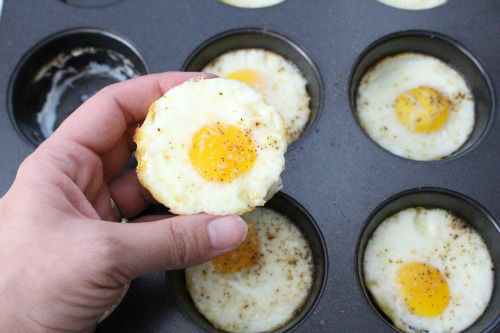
(335, 172)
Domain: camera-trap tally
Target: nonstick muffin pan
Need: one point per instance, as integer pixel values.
(335, 172)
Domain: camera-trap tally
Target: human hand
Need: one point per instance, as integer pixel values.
(62, 263)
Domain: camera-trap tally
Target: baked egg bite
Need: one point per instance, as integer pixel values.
(211, 146)
(414, 4)
(416, 106)
(262, 284)
(428, 271)
(252, 3)
(281, 82)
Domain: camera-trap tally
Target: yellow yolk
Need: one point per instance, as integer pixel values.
(221, 153)
(246, 255)
(424, 289)
(422, 109)
(252, 78)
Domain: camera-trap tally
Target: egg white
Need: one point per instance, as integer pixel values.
(263, 297)
(165, 138)
(394, 75)
(252, 3)
(285, 86)
(414, 4)
(437, 238)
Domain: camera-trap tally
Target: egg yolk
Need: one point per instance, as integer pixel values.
(246, 255)
(252, 78)
(424, 289)
(221, 153)
(422, 109)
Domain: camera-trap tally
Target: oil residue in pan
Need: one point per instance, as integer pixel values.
(75, 77)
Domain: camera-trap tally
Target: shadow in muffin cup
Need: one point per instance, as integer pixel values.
(91, 3)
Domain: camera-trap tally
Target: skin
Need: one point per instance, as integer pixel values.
(64, 261)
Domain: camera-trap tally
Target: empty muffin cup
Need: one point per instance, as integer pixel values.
(451, 53)
(61, 72)
(253, 38)
(288, 207)
(460, 206)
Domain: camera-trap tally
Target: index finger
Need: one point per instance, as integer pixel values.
(100, 122)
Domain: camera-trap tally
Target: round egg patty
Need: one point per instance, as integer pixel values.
(416, 106)
(428, 271)
(261, 285)
(211, 146)
(282, 84)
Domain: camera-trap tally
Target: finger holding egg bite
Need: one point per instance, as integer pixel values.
(213, 146)
(261, 285)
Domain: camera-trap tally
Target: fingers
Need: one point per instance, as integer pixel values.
(102, 204)
(129, 195)
(116, 159)
(177, 242)
(101, 121)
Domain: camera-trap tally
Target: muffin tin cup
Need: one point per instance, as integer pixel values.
(467, 209)
(447, 50)
(268, 40)
(287, 206)
(34, 76)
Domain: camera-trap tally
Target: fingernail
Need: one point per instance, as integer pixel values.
(226, 231)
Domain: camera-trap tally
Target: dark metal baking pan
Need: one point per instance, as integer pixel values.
(335, 171)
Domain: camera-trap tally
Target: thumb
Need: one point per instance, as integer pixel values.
(177, 242)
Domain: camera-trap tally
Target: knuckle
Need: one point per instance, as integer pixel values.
(107, 89)
(107, 251)
(183, 244)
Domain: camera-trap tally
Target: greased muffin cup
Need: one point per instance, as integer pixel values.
(297, 214)
(61, 72)
(460, 205)
(452, 53)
